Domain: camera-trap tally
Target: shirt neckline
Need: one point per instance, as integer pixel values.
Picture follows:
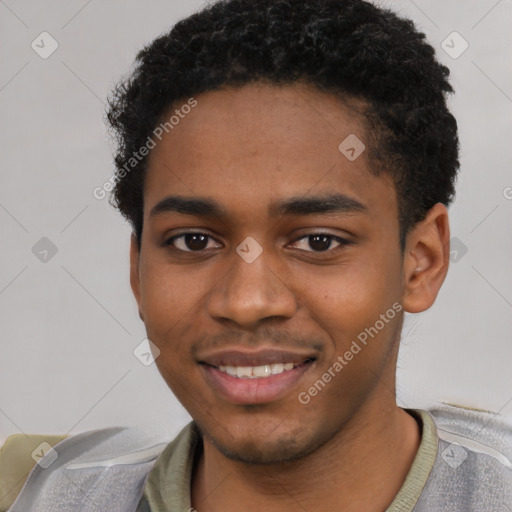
(169, 484)
(414, 483)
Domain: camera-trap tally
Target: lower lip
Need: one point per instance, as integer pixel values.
(254, 391)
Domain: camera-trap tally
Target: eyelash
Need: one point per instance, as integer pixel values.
(341, 241)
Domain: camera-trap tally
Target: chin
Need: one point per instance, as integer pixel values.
(258, 448)
(263, 454)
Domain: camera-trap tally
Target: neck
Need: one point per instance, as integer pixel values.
(361, 468)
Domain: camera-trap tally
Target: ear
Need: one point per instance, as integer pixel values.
(426, 259)
(134, 272)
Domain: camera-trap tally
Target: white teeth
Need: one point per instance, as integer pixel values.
(261, 371)
(256, 372)
(244, 371)
(230, 370)
(277, 368)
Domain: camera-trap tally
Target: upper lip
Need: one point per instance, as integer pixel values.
(254, 358)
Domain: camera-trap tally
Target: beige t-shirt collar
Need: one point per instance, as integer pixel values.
(168, 485)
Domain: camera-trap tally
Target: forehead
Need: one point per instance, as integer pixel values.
(249, 146)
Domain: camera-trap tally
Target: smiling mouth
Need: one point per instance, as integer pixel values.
(261, 371)
(255, 378)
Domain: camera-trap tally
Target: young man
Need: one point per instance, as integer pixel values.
(286, 168)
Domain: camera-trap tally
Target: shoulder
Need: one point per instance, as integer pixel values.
(123, 456)
(18, 455)
(486, 433)
(473, 468)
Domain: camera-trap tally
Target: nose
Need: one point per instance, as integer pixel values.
(251, 292)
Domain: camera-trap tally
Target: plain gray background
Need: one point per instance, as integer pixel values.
(69, 325)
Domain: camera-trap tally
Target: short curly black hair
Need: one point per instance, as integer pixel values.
(349, 48)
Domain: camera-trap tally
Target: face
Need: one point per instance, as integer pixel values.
(266, 254)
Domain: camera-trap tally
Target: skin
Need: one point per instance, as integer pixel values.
(350, 447)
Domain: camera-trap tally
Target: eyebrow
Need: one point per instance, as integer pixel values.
(206, 207)
(331, 203)
(189, 206)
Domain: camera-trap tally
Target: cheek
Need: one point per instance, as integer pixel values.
(169, 297)
(348, 305)
(352, 295)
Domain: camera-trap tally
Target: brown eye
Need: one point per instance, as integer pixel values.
(320, 242)
(196, 241)
(191, 242)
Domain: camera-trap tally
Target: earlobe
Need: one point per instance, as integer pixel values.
(426, 259)
(134, 272)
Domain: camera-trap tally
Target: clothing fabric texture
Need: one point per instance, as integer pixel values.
(463, 464)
